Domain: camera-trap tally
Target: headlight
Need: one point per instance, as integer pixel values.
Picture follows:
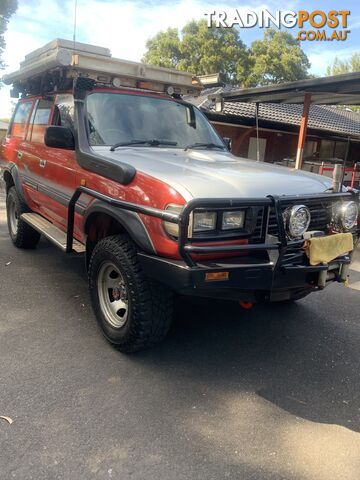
(204, 221)
(345, 215)
(233, 220)
(297, 220)
(199, 221)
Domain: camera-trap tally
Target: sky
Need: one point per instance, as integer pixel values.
(125, 26)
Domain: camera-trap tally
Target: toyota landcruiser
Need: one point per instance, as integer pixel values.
(104, 157)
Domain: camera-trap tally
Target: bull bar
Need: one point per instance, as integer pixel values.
(250, 272)
(183, 219)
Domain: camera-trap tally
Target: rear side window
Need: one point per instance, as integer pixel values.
(20, 120)
(41, 120)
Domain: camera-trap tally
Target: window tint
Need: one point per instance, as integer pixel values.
(64, 111)
(20, 119)
(41, 120)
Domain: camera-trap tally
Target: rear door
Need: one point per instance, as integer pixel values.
(15, 141)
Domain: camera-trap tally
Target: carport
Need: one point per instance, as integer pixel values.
(334, 90)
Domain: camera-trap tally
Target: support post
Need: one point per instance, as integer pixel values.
(337, 177)
(346, 161)
(257, 131)
(303, 130)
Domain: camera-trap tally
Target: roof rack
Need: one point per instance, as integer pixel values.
(54, 66)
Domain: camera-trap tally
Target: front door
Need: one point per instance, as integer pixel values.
(53, 170)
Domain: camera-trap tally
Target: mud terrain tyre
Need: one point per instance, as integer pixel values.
(133, 312)
(21, 234)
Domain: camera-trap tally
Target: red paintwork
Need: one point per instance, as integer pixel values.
(64, 173)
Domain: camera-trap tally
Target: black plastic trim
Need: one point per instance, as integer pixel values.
(54, 194)
(106, 167)
(130, 221)
(131, 207)
(13, 170)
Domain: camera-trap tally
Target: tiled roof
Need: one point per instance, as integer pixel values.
(322, 117)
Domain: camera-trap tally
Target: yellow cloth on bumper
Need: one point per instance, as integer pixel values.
(325, 249)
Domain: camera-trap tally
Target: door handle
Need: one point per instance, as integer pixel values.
(19, 154)
(42, 163)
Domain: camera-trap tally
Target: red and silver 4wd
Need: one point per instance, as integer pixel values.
(104, 157)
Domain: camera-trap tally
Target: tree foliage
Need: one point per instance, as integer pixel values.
(345, 66)
(163, 50)
(202, 50)
(7, 8)
(276, 58)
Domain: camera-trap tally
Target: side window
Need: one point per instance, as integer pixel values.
(20, 119)
(41, 120)
(64, 111)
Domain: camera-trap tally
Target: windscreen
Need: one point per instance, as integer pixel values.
(118, 117)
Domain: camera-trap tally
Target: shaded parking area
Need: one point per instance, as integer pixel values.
(270, 393)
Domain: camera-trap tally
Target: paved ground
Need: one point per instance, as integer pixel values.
(271, 393)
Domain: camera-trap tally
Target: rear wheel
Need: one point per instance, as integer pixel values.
(133, 312)
(21, 234)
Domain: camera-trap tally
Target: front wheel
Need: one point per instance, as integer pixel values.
(133, 312)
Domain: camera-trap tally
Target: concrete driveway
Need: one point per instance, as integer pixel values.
(270, 393)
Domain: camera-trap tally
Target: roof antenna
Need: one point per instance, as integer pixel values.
(74, 32)
(257, 131)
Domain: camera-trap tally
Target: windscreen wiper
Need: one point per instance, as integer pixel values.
(204, 145)
(153, 143)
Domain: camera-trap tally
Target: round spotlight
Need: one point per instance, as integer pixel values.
(116, 81)
(297, 220)
(345, 215)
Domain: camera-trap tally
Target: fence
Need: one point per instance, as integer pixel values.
(351, 175)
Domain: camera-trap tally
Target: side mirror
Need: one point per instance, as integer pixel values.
(227, 142)
(59, 137)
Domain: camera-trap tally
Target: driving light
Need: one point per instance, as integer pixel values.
(296, 220)
(204, 221)
(233, 220)
(345, 215)
(116, 81)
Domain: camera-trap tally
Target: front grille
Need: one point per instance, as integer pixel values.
(320, 218)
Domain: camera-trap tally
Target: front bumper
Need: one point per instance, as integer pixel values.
(274, 269)
(254, 278)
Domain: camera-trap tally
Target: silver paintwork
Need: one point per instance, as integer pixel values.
(217, 174)
(113, 295)
(13, 216)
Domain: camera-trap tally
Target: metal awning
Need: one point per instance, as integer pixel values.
(338, 89)
(335, 90)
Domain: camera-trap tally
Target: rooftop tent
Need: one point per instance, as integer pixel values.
(59, 61)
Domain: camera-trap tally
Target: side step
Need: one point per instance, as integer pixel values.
(52, 233)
